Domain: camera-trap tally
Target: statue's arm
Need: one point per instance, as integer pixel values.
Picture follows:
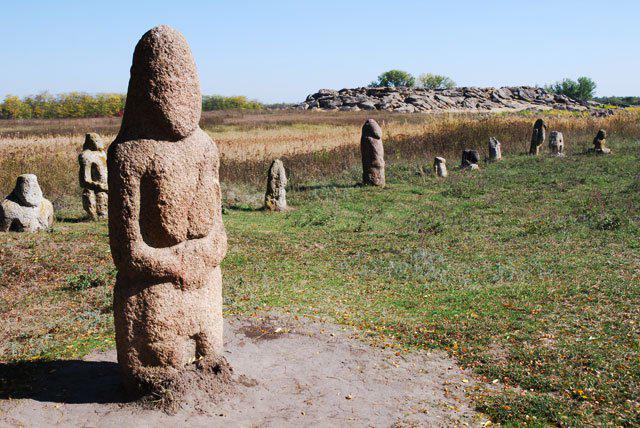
(131, 254)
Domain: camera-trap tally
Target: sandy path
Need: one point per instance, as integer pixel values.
(288, 373)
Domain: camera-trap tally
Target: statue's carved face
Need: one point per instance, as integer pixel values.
(93, 142)
(27, 191)
(372, 129)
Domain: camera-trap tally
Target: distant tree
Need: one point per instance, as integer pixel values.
(219, 102)
(14, 108)
(582, 89)
(435, 81)
(395, 78)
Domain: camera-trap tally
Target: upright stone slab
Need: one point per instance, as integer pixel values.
(495, 150)
(470, 159)
(537, 137)
(372, 152)
(165, 225)
(275, 199)
(440, 167)
(93, 177)
(556, 143)
(25, 209)
(600, 143)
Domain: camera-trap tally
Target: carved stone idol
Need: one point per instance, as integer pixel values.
(275, 199)
(372, 152)
(25, 209)
(537, 137)
(93, 177)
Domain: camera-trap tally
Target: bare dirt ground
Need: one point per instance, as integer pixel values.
(287, 373)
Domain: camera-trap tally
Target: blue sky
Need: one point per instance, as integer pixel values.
(283, 50)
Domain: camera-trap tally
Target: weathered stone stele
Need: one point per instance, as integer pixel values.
(165, 225)
(440, 167)
(275, 199)
(372, 152)
(470, 159)
(495, 150)
(600, 143)
(25, 209)
(556, 143)
(93, 177)
(537, 137)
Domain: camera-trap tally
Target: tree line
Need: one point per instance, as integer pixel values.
(80, 105)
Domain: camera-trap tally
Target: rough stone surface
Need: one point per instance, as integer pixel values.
(93, 177)
(275, 199)
(495, 150)
(25, 209)
(556, 143)
(372, 152)
(440, 167)
(537, 137)
(165, 226)
(600, 143)
(470, 159)
(416, 100)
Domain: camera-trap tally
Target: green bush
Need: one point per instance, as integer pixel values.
(219, 102)
(394, 78)
(435, 81)
(68, 105)
(583, 89)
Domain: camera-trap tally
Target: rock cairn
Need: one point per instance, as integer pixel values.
(165, 227)
(470, 159)
(93, 177)
(275, 199)
(600, 143)
(537, 137)
(25, 209)
(495, 150)
(556, 143)
(440, 167)
(372, 152)
(412, 100)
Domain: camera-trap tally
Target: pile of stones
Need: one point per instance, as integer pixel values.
(412, 100)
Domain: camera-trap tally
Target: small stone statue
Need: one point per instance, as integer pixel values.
(470, 159)
(440, 167)
(276, 197)
(556, 143)
(25, 209)
(165, 226)
(93, 177)
(537, 137)
(495, 150)
(372, 152)
(599, 143)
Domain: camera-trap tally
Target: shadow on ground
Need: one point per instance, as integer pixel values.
(62, 381)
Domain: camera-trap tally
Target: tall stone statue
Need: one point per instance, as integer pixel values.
(25, 209)
(372, 152)
(470, 159)
(600, 143)
(495, 150)
(93, 177)
(275, 199)
(440, 167)
(537, 137)
(556, 143)
(165, 224)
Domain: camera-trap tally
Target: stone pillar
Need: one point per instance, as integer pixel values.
(372, 152)
(537, 137)
(556, 143)
(470, 159)
(495, 150)
(440, 167)
(93, 177)
(275, 199)
(165, 225)
(25, 209)
(600, 143)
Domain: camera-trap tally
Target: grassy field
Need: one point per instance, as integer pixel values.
(526, 271)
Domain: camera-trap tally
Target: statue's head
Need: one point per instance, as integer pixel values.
(92, 141)
(27, 191)
(540, 124)
(602, 135)
(371, 129)
(163, 99)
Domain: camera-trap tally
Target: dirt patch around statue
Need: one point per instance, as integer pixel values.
(286, 372)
